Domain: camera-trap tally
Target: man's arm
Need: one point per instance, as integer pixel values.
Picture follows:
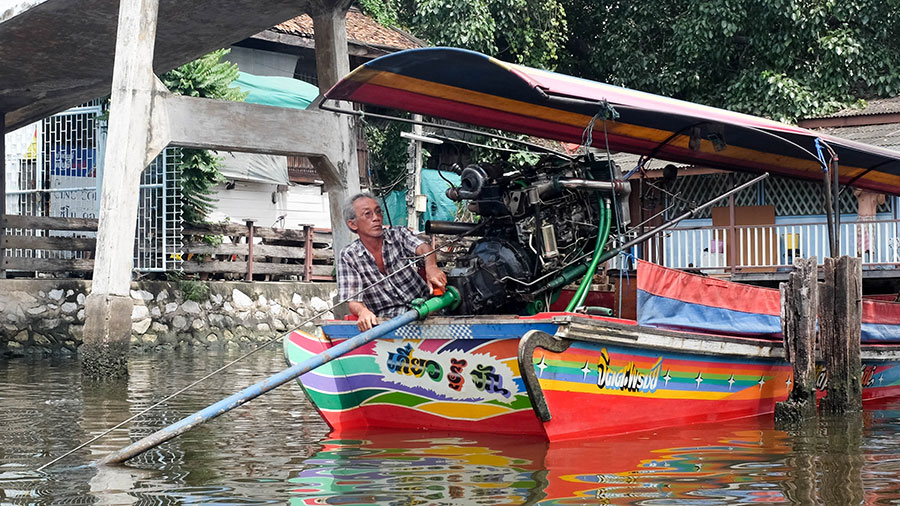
(434, 276)
(349, 285)
(366, 319)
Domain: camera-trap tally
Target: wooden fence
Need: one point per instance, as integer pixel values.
(252, 252)
(32, 245)
(213, 251)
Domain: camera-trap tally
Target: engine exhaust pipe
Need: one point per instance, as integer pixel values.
(441, 227)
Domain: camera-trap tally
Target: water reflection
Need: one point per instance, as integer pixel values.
(740, 462)
(391, 468)
(276, 450)
(710, 465)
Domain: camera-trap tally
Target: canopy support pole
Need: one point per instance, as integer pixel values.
(829, 215)
(837, 206)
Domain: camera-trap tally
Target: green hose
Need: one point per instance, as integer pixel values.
(604, 226)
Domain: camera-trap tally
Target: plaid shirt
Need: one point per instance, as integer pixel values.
(357, 270)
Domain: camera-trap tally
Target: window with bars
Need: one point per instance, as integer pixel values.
(52, 170)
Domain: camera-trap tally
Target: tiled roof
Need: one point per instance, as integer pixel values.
(872, 108)
(361, 29)
(885, 136)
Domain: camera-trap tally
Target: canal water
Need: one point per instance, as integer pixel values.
(276, 450)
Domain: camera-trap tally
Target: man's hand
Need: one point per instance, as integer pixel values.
(435, 278)
(366, 320)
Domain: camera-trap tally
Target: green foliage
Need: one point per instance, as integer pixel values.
(199, 174)
(498, 149)
(388, 154)
(213, 240)
(382, 11)
(784, 59)
(190, 289)
(207, 77)
(531, 32)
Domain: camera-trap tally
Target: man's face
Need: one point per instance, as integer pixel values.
(368, 221)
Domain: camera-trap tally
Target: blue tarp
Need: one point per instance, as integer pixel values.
(433, 186)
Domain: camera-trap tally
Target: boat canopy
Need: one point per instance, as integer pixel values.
(469, 87)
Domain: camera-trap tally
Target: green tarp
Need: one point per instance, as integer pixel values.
(277, 91)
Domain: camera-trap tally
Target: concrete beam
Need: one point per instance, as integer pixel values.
(251, 128)
(326, 138)
(55, 54)
(132, 143)
(330, 33)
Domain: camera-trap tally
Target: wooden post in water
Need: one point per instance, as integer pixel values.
(840, 328)
(798, 324)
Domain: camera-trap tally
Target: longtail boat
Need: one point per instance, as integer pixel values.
(700, 349)
(563, 376)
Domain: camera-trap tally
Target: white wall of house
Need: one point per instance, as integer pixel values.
(298, 205)
(262, 63)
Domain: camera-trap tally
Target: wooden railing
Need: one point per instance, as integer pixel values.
(49, 244)
(252, 252)
(45, 244)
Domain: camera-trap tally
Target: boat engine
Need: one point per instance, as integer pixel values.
(533, 223)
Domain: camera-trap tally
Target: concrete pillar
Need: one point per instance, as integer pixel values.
(330, 34)
(332, 63)
(107, 329)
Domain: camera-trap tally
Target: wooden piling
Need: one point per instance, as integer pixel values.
(798, 323)
(840, 322)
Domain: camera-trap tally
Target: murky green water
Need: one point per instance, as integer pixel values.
(276, 450)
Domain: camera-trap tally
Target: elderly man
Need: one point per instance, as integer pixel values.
(379, 253)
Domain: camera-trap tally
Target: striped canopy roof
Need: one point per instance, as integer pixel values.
(469, 87)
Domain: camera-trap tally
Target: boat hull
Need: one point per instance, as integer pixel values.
(557, 376)
(458, 375)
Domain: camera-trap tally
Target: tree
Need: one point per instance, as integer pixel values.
(531, 32)
(784, 59)
(207, 77)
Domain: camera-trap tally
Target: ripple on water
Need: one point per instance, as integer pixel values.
(276, 450)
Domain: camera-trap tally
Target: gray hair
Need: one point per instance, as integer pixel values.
(349, 211)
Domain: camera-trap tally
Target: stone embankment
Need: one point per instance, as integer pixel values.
(48, 315)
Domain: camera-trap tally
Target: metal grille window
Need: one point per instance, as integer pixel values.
(157, 245)
(52, 169)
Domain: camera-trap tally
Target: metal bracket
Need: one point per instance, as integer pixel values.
(531, 340)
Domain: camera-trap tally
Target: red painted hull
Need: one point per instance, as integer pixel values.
(396, 417)
(577, 415)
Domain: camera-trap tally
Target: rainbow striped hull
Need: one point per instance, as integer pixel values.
(448, 374)
(557, 376)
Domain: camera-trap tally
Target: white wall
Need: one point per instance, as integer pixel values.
(300, 205)
(262, 63)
